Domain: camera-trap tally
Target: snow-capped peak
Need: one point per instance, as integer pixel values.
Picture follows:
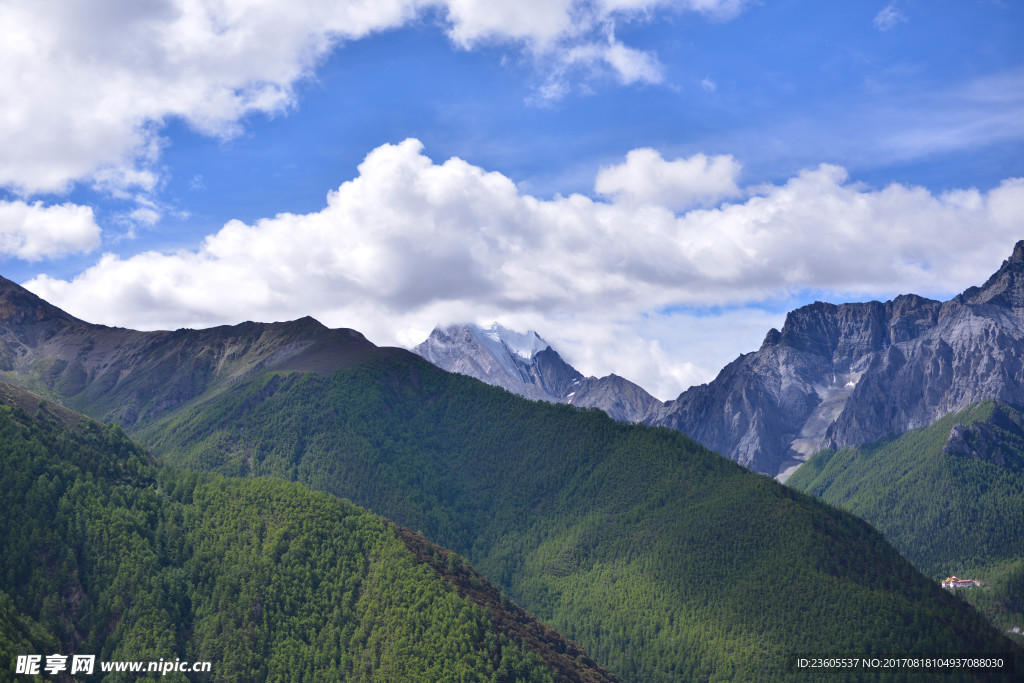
(523, 344)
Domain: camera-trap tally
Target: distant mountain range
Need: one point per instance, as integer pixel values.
(834, 376)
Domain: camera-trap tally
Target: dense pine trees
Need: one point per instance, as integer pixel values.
(950, 498)
(104, 552)
(665, 561)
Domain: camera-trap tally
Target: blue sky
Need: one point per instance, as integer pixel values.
(650, 185)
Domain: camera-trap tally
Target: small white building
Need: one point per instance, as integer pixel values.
(953, 582)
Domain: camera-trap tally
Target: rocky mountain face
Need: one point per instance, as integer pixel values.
(131, 377)
(849, 374)
(526, 365)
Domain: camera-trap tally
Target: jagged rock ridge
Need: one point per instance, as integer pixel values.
(844, 375)
(526, 365)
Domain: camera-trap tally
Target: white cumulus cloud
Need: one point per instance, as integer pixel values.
(88, 86)
(33, 231)
(645, 177)
(409, 243)
(543, 23)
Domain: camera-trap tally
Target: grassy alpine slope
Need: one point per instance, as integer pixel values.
(949, 496)
(664, 560)
(105, 552)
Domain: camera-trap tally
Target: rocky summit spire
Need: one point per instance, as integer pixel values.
(1006, 286)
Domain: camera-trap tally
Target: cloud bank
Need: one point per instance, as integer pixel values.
(409, 243)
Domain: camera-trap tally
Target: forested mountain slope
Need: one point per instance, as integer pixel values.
(664, 560)
(105, 552)
(949, 496)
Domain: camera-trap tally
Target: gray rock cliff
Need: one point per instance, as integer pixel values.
(843, 375)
